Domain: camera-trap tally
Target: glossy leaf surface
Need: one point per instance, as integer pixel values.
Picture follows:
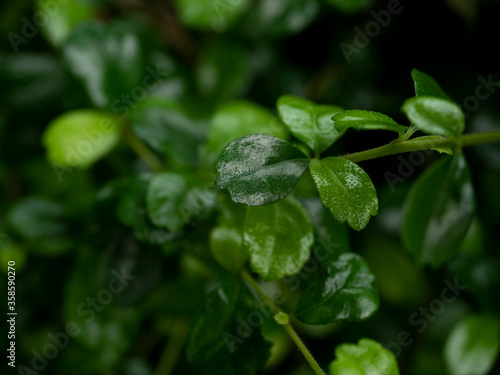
(368, 357)
(219, 342)
(278, 238)
(438, 211)
(473, 345)
(346, 190)
(425, 85)
(344, 290)
(259, 169)
(310, 123)
(366, 120)
(435, 115)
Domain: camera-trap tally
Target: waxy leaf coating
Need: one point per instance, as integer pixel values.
(220, 340)
(346, 190)
(259, 169)
(310, 123)
(435, 115)
(344, 290)
(473, 345)
(366, 120)
(438, 211)
(278, 238)
(425, 85)
(366, 358)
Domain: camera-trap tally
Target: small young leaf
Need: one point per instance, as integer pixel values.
(278, 238)
(425, 85)
(344, 290)
(366, 120)
(473, 345)
(79, 138)
(310, 123)
(435, 115)
(441, 150)
(259, 169)
(346, 190)
(366, 358)
(220, 341)
(438, 211)
(226, 239)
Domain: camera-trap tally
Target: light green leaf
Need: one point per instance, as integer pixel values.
(366, 120)
(366, 358)
(346, 190)
(344, 290)
(425, 85)
(240, 118)
(212, 15)
(226, 239)
(473, 345)
(278, 238)
(259, 169)
(79, 138)
(438, 211)
(64, 16)
(441, 150)
(435, 115)
(310, 123)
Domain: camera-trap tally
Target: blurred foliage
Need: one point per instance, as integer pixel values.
(183, 78)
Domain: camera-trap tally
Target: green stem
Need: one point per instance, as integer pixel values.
(425, 144)
(288, 328)
(307, 354)
(173, 348)
(141, 149)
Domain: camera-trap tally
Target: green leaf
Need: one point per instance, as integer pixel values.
(168, 129)
(131, 211)
(216, 15)
(346, 190)
(435, 115)
(64, 16)
(278, 238)
(425, 85)
(259, 169)
(81, 137)
(107, 59)
(441, 150)
(344, 290)
(240, 118)
(226, 239)
(310, 123)
(366, 120)
(473, 346)
(438, 211)
(220, 340)
(166, 193)
(366, 358)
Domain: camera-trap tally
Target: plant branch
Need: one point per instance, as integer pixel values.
(284, 321)
(141, 149)
(173, 347)
(424, 144)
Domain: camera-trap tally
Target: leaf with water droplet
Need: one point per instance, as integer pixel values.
(346, 190)
(278, 238)
(259, 169)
